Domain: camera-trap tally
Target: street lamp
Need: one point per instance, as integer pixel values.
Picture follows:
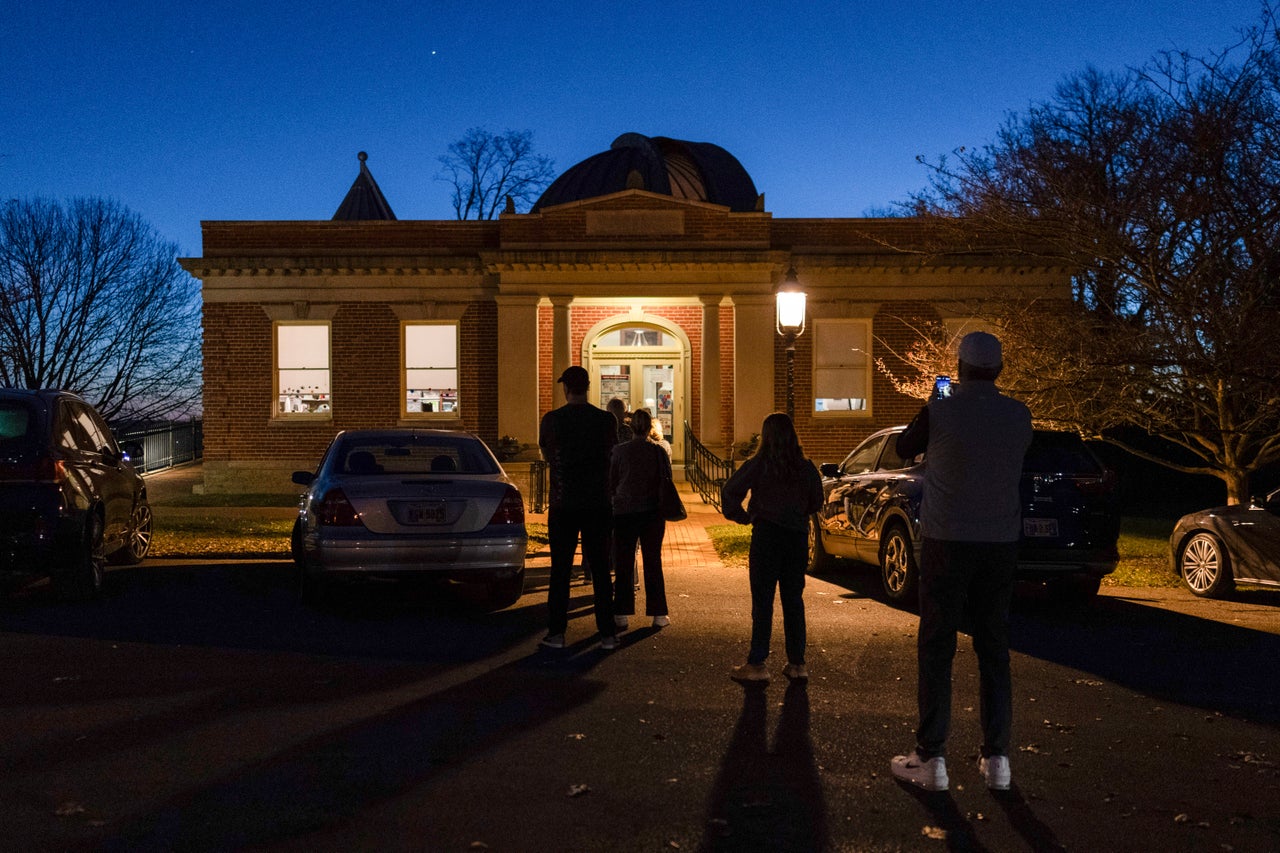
(791, 326)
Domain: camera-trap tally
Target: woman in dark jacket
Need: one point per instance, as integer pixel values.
(635, 474)
(785, 490)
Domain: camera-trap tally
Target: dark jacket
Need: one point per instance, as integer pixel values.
(635, 474)
(786, 501)
(576, 440)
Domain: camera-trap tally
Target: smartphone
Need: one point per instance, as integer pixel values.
(942, 386)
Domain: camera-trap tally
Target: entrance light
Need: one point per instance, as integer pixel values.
(790, 324)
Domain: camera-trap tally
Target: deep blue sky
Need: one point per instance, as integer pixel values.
(255, 110)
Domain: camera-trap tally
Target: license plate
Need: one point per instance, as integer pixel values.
(1040, 527)
(425, 512)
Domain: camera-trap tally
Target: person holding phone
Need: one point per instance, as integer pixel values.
(970, 522)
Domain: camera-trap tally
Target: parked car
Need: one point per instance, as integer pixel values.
(397, 503)
(69, 497)
(1214, 549)
(1070, 514)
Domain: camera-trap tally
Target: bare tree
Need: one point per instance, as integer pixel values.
(1160, 189)
(92, 300)
(486, 170)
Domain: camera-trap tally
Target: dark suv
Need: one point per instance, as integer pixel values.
(1070, 514)
(69, 497)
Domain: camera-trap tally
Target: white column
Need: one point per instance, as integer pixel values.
(561, 357)
(753, 369)
(517, 391)
(708, 429)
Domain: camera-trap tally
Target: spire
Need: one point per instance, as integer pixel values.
(364, 200)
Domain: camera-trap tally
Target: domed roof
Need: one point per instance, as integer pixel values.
(691, 170)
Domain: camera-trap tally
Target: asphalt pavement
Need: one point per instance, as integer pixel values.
(201, 706)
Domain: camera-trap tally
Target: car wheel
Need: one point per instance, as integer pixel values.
(1205, 566)
(82, 575)
(819, 560)
(898, 572)
(295, 542)
(137, 537)
(507, 591)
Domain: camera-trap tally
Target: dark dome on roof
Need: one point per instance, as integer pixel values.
(692, 170)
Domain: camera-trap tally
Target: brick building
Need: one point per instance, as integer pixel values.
(653, 264)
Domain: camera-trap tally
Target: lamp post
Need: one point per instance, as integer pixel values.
(790, 303)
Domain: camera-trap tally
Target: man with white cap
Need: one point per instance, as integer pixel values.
(970, 520)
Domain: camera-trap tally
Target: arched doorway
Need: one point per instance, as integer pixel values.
(646, 363)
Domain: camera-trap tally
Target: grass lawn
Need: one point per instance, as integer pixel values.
(210, 537)
(1144, 546)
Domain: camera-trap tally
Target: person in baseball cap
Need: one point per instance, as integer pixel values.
(970, 524)
(980, 349)
(575, 379)
(577, 440)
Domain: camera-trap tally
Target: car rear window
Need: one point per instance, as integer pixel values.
(436, 455)
(17, 423)
(1060, 453)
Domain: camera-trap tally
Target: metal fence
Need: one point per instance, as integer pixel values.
(163, 445)
(704, 470)
(538, 486)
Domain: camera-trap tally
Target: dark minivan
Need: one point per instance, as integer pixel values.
(1070, 514)
(69, 497)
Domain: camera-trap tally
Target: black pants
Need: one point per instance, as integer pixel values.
(959, 579)
(648, 528)
(564, 525)
(777, 559)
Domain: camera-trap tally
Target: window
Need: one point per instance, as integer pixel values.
(841, 366)
(431, 368)
(302, 369)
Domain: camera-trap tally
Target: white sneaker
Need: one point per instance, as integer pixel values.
(661, 621)
(995, 769)
(553, 641)
(620, 621)
(930, 775)
(609, 643)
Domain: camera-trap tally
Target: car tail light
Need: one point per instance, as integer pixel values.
(510, 510)
(336, 511)
(1104, 485)
(42, 469)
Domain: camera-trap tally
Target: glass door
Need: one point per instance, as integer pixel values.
(643, 367)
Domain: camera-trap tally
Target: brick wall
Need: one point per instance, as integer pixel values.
(240, 428)
(829, 439)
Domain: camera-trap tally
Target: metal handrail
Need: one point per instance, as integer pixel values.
(538, 498)
(705, 471)
(156, 447)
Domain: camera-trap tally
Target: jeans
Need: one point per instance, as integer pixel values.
(564, 525)
(777, 558)
(959, 579)
(648, 528)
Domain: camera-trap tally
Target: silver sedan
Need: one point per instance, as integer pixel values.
(400, 502)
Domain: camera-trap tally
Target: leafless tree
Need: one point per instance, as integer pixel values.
(92, 300)
(487, 169)
(1160, 189)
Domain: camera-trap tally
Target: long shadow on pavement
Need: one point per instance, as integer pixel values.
(335, 776)
(768, 801)
(1153, 650)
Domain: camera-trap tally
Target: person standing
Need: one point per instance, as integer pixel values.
(635, 476)
(970, 521)
(785, 491)
(577, 440)
(618, 408)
